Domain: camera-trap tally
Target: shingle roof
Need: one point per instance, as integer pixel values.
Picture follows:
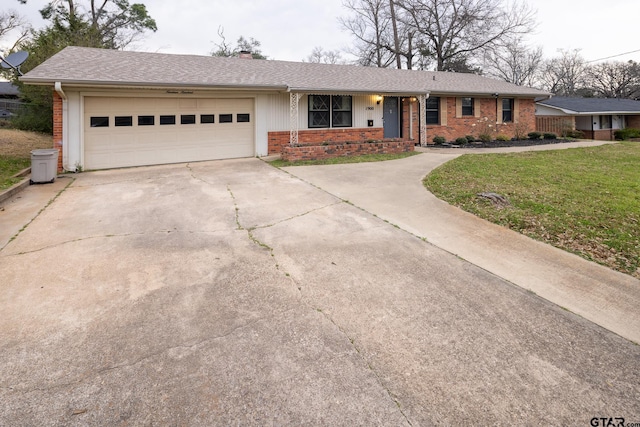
(592, 105)
(8, 89)
(87, 66)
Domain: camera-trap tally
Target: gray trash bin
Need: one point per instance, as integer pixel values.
(44, 165)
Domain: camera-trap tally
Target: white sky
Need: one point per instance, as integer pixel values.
(290, 29)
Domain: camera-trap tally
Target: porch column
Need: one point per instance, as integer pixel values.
(422, 105)
(294, 99)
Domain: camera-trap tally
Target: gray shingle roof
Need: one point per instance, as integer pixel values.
(8, 89)
(87, 66)
(592, 105)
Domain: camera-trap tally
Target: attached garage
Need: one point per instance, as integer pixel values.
(133, 131)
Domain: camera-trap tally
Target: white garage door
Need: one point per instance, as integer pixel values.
(149, 131)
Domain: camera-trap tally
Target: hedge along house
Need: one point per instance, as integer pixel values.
(118, 108)
(596, 118)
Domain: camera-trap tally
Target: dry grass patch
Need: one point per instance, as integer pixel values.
(15, 152)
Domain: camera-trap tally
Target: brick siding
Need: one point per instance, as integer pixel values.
(633, 122)
(471, 125)
(280, 139)
(57, 127)
(319, 152)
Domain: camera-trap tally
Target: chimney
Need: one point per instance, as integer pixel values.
(245, 54)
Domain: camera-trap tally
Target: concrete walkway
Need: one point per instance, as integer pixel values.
(394, 192)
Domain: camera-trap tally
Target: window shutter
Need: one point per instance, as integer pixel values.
(458, 107)
(476, 107)
(516, 110)
(499, 110)
(443, 110)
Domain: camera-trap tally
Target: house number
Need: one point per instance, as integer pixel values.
(370, 108)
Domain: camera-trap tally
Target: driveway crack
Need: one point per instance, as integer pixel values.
(84, 377)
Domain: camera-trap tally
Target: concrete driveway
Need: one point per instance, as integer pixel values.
(232, 293)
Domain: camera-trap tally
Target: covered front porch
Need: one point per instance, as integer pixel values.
(329, 118)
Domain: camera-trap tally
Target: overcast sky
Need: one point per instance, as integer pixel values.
(290, 29)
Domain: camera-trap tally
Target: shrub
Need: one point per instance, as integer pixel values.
(574, 134)
(502, 137)
(470, 138)
(626, 133)
(549, 135)
(534, 135)
(439, 139)
(461, 140)
(484, 137)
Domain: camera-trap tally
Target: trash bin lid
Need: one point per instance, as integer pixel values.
(44, 152)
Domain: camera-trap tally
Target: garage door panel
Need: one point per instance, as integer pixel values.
(118, 146)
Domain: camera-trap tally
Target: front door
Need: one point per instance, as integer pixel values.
(391, 117)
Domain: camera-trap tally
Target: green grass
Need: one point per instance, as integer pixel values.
(10, 166)
(584, 200)
(346, 159)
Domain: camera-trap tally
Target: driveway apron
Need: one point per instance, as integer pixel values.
(232, 293)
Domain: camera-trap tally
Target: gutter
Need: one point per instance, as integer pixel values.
(65, 123)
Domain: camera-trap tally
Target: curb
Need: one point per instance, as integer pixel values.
(16, 188)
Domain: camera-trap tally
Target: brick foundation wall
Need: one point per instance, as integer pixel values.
(319, 152)
(57, 127)
(280, 139)
(600, 135)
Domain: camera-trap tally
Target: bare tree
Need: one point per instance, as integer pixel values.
(383, 38)
(514, 62)
(250, 45)
(615, 79)
(455, 29)
(321, 56)
(370, 24)
(565, 75)
(11, 23)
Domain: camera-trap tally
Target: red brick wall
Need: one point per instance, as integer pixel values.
(633, 122)
(600, 135)
(319, 152)
(57, 127)
(280, 139)
(462, 126)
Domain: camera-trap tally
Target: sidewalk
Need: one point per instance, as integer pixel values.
(394, 192)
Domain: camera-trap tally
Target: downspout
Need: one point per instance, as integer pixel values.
(65, 123)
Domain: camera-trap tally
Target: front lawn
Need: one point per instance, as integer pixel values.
(583, 200)
(15, 152)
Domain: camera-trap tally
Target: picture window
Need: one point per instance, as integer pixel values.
(330, 111)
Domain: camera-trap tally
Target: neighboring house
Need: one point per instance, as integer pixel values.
(118, 108)
(597, 118)
(9, 99)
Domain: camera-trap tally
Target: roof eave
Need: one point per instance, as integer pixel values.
(158, 85)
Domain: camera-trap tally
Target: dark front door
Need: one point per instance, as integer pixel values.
(391, 117)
